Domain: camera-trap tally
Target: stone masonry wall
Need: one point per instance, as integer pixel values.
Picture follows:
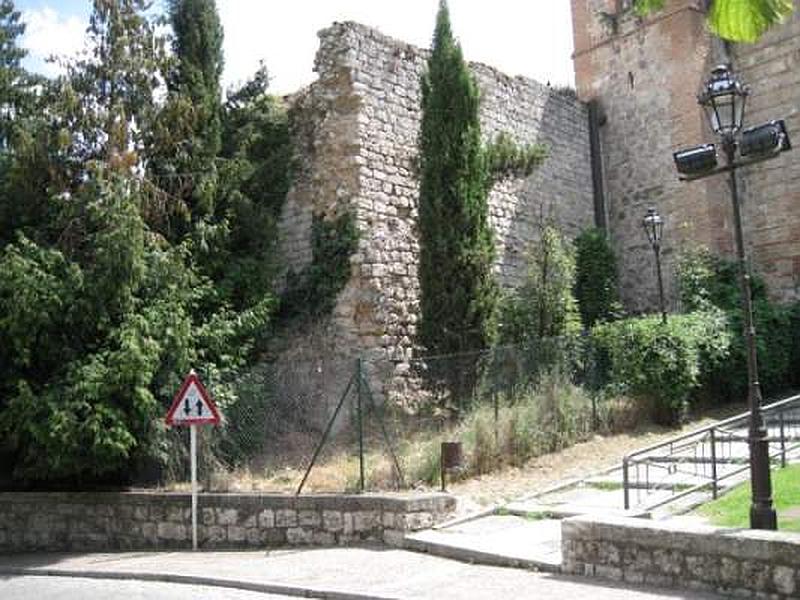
(137, 521)
(646, 75)
(741, 563)
(771, 190)
(359, 153)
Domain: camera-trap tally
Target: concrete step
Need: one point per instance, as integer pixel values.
(498, 540)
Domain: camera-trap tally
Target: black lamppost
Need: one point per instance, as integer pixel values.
(724, 99)
(654, 227)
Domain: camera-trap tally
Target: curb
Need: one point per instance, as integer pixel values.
(249, 586)
(478, 557)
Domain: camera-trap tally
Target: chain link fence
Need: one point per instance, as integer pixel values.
(349, 425)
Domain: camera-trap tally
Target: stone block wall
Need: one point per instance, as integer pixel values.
(154, 521)
(771, 190)
(742, 563)
(644, 76)
(357, 127)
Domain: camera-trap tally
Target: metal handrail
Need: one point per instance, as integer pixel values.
(692, 439)
(701, 486)
(730, 420)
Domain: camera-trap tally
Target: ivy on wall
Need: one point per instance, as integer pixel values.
(312, 292)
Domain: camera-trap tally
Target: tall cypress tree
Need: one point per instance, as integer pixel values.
(188, 136)
(458, 292)
(198, 47)
(10, 71)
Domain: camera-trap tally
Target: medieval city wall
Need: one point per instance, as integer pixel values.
(357, 128)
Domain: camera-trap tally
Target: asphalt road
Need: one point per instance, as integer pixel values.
(73, 588)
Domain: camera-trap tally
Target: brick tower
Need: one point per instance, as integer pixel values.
(644, 75)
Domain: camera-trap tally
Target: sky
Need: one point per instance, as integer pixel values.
(520, 37)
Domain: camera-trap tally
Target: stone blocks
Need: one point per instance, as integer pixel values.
(357, 128)
(127, 521)
(748, 563)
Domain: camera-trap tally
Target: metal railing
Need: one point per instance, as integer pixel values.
(702, 459)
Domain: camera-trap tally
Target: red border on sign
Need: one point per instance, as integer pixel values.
(178, 400)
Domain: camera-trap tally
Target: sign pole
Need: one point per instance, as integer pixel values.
(193, 443)
(193, 406)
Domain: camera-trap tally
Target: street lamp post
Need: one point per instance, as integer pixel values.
(654, 227)
(724, 99)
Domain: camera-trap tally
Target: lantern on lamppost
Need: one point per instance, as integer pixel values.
(724, 99)
(654, 227)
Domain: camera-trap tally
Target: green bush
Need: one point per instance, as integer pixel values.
(664, 363)
(596, 278)
(544, 305)
(709, 282)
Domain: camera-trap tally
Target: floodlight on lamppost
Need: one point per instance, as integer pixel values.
(724, 98)
(654, 227)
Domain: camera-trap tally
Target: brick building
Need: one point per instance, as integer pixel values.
(642, 76)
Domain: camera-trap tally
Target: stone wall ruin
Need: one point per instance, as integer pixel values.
(356, 132)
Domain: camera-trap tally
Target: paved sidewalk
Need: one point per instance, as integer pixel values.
(336, 573)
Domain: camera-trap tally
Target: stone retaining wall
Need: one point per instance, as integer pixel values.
(758, 564)
(153, 521)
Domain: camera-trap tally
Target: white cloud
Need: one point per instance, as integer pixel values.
(48, 34)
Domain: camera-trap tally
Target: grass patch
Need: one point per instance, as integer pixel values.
(605, 486)
(538, 515)
(733, 509)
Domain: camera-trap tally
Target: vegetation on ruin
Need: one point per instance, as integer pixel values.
(313, 291)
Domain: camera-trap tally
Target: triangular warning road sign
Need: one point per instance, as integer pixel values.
(192, 404)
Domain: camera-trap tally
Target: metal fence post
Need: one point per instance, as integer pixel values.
(713, 464)
(496, 421)
(360, 420)
(625, 483)
(783, 441)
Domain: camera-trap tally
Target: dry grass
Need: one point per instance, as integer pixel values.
(492, 476)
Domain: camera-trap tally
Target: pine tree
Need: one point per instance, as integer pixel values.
(458, 292)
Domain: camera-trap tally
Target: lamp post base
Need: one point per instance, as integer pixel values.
(763, 517)
(762, 511)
